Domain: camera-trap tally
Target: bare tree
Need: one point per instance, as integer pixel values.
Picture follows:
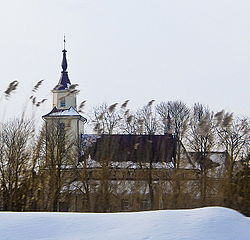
(201, 140)
(14, 162)
(148, 119)
(130, 122)
(61, 154)
(106, 119)
(178, 113)
(174, 116)
(234, 136)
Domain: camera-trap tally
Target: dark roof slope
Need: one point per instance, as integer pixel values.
(134, 148)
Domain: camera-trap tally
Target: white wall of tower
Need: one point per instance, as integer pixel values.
(60, 96)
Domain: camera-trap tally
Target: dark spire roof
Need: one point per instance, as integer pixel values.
(64, 81)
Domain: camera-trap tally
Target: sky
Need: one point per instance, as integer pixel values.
(189, 50)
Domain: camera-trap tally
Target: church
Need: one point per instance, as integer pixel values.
(116, 172)
(65, 115)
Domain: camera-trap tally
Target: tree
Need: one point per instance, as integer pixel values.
(147, 119)
(57, 163)
(178, 113)
(130, 122)
(106, 119)
(174, 117)
(234, 136)
(15, 139)
(201, 140)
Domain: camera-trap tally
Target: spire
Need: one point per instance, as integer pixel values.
(64, 81)
(167, 129)
(64, 61)
(169, 122)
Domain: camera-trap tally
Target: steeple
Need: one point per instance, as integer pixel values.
(64, 81)
(167, 129)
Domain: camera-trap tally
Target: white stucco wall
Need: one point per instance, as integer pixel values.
(70, 99)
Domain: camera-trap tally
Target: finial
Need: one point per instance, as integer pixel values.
(64, 42)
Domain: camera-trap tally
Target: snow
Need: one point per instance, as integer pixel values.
(214, 223)
(67, 112)
(91, 163)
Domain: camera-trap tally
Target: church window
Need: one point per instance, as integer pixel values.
(62, 102)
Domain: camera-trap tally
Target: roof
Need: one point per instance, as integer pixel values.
(70, 112)
(64, 81)
(133, 148)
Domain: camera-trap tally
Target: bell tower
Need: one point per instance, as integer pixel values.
(64, 115)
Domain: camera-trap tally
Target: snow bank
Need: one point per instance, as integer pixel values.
(213, 223)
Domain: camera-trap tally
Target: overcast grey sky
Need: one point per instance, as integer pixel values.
(190, 50)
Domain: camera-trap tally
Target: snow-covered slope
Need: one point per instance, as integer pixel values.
(213, 223)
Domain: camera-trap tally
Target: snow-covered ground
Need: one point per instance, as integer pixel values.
(213, 223)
